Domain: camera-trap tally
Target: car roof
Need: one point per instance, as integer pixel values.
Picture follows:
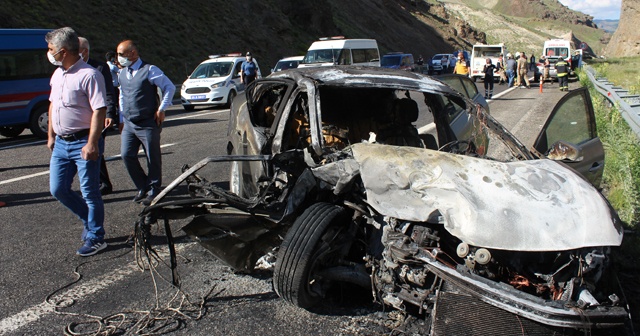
(223, 59)
(292, 58)
(363, 76)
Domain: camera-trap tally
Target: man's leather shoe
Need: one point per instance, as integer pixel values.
(140, 196)
(106, 189)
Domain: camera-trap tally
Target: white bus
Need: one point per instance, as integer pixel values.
(340, 51)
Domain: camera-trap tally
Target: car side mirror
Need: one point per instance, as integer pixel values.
(564, 151)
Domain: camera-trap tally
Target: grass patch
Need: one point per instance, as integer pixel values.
(621, 71)
(621, 175)
(622, 160)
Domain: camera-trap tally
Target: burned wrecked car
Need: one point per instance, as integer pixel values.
(395, 182)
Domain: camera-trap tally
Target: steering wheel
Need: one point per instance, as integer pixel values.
(455, 147)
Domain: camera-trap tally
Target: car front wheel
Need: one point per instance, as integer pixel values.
(232, 95)
(314, 243)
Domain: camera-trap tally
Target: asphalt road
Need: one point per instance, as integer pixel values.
(45, 287)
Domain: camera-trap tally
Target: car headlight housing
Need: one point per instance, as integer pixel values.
(217, 85)
(184, 87)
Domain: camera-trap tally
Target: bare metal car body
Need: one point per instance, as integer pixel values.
(324, 158)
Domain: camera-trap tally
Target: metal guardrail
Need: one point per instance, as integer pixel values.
(629, 104)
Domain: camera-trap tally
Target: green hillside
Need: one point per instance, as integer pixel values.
(178, 35)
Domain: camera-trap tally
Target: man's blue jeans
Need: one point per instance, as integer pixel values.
(66, 161)
(511, 75)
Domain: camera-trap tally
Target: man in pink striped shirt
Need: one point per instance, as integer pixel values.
(76, 117)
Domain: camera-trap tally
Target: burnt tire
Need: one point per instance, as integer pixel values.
(304, 251)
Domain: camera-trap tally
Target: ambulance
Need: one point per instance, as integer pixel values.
(554, 50)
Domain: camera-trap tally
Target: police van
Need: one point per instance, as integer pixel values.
(337, 50)
(214, 82)
(25, 73)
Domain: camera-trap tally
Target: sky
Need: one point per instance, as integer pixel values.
(599, 9)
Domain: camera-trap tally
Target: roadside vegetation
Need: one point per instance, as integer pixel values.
(622, 148)
(621, 171)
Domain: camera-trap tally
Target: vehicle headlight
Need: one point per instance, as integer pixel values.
(217, 85)
(184, 87)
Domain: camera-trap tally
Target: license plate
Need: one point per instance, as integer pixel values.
(198, 96)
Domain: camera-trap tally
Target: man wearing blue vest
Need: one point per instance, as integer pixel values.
(142, 116)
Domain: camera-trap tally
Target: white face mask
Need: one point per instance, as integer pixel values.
(125, 62)
(52, 58)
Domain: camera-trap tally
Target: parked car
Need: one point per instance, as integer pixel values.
(214, 82)
(287, 63)
(440, 63)
(328, 166)
(398, 60)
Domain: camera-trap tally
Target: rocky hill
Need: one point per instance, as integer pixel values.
(524, 25)
(179, 35)
(625, 40)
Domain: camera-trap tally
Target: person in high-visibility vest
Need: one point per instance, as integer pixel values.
(461, 65)
(562, 69)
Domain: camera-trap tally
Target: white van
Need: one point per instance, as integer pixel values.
(340, 51)
(479, 55)
(214, 82)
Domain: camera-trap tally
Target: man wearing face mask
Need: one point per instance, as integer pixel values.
(76, 118)
(112, 112)
(249, 70)
(142, 114)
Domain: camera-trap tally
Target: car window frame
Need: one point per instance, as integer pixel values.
(542, 139)
(591, 163)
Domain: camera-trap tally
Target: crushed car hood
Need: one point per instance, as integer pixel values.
(534, 205)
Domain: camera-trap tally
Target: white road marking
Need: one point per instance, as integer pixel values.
(198, 115)
(47, 172)
(76, 293)
(38, 142)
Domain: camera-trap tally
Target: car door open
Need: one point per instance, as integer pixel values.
(570, 136)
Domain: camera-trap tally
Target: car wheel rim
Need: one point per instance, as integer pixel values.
(43, 122)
